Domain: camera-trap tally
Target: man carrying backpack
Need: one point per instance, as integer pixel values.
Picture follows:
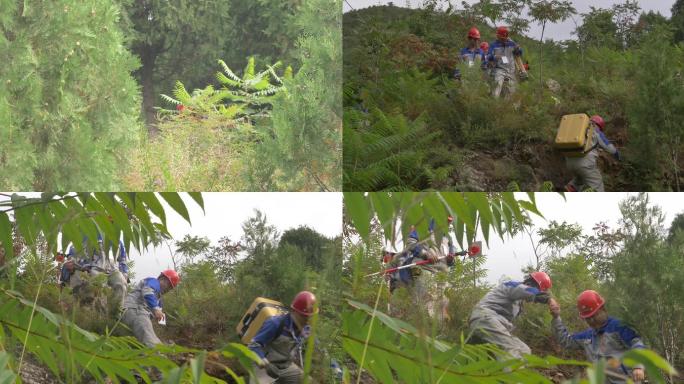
(585, 168)
(279, 338)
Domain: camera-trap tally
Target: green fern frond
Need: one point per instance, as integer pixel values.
(288, 73)
(513, 186)
(230, 73)
(271, 70)
(547, 186)
(170, 100)
(181, 93)
(263, 83)
(267, 92)
(231, 111)
(249, 69)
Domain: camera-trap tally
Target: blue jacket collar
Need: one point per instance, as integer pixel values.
(611, 321)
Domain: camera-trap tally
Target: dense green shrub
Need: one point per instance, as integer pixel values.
(68, 103)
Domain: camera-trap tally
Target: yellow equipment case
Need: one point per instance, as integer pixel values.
(261, 310)
(574, 137)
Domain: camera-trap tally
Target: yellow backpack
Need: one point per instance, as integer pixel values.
(261, 310)
(574, 136)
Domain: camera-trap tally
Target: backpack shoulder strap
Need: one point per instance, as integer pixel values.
(590, 136)
(281, 326)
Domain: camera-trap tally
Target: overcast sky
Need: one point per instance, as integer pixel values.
(508, 257)
(225, 213)
(560, 31)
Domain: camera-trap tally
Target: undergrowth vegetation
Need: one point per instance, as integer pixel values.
(84, 95)
(77, 337)
(396, 339)
(401, 62)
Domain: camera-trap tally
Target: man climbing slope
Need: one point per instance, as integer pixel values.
(279, 338)
(144, 303)
(585, 168)
(492, 318)
(606, 338)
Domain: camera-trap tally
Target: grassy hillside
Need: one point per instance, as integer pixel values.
(410, 125)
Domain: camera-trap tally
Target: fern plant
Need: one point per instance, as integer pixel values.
(241, 99)
(385, 152)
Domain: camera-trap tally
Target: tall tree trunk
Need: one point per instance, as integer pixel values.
(148, 57)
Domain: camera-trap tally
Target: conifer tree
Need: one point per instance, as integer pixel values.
(68, 105)
(305, 150)
(678, 19)
(657, 111)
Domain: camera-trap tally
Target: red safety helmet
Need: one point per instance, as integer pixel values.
(502, 32)
(542, 279)
(304, 303)
(173, 277)
(599, 121)
(484, 46)
(588, 303)
(474, 33)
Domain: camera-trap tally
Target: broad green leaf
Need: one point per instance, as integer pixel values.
(358, 211)
(512, 203)
(458, 208)
(175, 201)
(530, 207)
(153, 204)
(175, 375)
(197, 367)
(654, 364)
(197, 196)
(480, 202)
(383, 208)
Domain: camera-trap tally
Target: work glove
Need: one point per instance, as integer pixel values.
(554, 308)
(542, 298)
(638, 374)
(263, 363)
(158, 314)
(517, 51)
(450, 260)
